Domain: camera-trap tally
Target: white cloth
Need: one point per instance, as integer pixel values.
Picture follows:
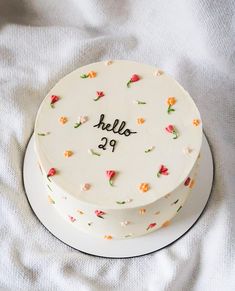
(40, 42)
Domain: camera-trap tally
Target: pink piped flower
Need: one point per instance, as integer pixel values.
(85, 187)
(110, 174)
(51, 172)
(54, 99)
(151, 225)
(134, 78)
(71, 218)
(100, 213)
(162, 171)
(187, 181)
(99, 95)
(81, 120)
(172, 129)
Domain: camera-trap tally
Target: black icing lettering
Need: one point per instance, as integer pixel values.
(109, 127)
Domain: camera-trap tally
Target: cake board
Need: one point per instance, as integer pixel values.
(124, 248)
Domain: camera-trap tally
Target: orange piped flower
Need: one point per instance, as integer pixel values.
(140, 120)
(191, 185)
(68, 154)
(91, 74)
(142, 211)
(171, 101)
(166, 223)
(196, 122)
(108, 237)
(144, 187)
(63, 119)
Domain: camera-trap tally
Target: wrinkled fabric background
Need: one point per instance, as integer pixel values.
(40, 42)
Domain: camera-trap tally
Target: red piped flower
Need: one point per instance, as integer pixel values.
(100, 213)
(54, 99)
(72, 219)
(163, 171)
(51, 172)
(172, 129)
(187, 181)
(151, 225)
(133, 79)
(99, 95)
(110, 174)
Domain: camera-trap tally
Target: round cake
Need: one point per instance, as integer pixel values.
(118, 144)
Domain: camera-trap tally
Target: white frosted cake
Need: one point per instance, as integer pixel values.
(118, 145)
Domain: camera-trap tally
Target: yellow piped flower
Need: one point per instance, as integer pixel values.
(144, 187)
(142, 211)
(166, 223)
(140, 120)
(196, 122)
(108, 237)
(68, 154)
(63, 119)
(171, 101)
(91, 74)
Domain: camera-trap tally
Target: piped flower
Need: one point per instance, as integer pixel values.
(124, 223)
(191, 185)
(99, 95)
(134, 78)
(108, 237)
(144, 187)
(140, 120)
(187, 151)
(110, 174)
(166, 223)
(162, 171)
(196, 122)
(187, 181)
(54, 99)
(108, 63)
(100, 213)
(170, 102)
(68, 153)
(158, 73)
(51, 173)
(90, 74)
(71, 218)
(172, 129)
(151, 225)
(85, 187)
(142, 211)
(63, 119)
(81, 120)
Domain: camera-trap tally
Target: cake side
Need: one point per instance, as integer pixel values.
(121, 223)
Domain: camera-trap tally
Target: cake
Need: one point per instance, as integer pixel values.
(118, 143)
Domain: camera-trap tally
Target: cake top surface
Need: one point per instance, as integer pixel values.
(118, 134)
